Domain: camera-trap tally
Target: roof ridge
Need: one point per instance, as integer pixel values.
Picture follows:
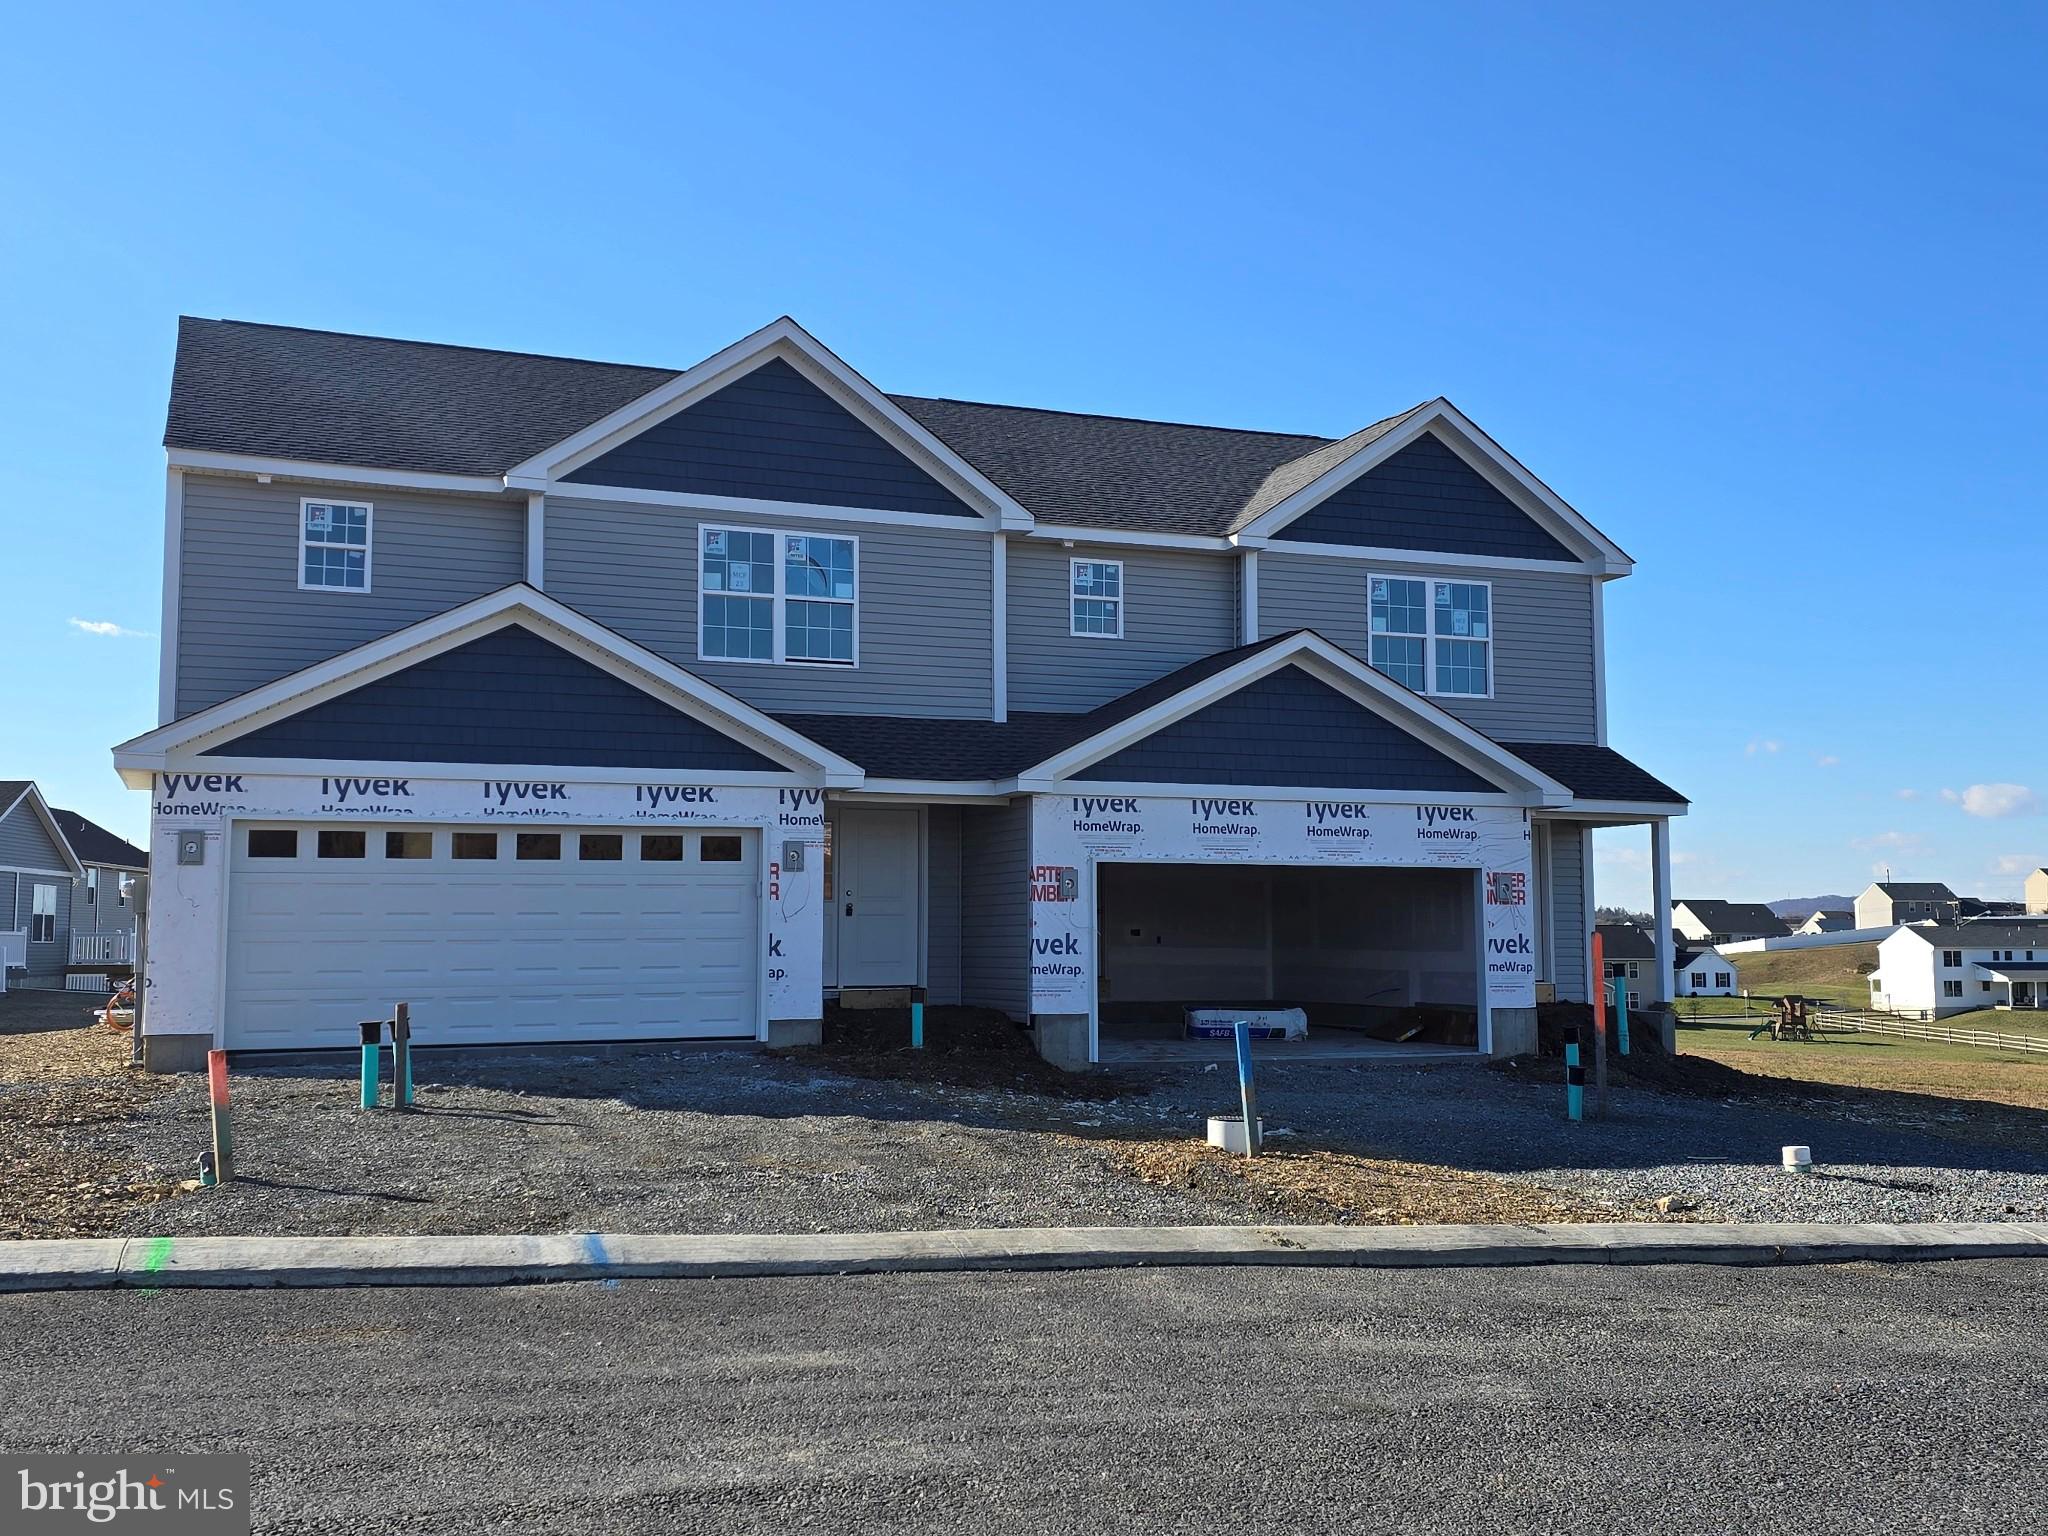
(1143, 421)
(443, 346)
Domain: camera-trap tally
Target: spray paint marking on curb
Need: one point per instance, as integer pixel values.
(154, 1257)
(593, 1250)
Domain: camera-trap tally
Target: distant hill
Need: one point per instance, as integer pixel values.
(1801, 905)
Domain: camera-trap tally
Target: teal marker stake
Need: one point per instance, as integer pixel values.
(1621, 1017)
(371, 1028)
(917, 1026)
(1574, 1079)
(1243, 1031)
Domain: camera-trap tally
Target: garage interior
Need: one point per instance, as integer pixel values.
(1383, 961)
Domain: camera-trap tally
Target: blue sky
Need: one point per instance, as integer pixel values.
(1758, 289)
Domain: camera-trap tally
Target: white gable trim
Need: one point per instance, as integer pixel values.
(1485, 456)
(1437, 727)
(631, 663)
(32, 797)
(785, 339)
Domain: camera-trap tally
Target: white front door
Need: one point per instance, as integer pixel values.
(876, 914)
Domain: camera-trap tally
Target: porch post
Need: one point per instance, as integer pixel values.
(1660, 890)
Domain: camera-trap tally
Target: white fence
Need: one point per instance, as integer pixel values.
(116, 948)
(86, 981)
(1807, 940)
(1855, 1021)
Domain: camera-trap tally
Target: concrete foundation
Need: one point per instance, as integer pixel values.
(175, 1053)
(1514, 1031)
(784, 1033)
(1062, 1039)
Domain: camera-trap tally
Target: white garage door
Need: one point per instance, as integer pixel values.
(492, 934)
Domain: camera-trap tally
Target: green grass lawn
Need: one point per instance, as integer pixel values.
(1837, 973)
(1878, 1061)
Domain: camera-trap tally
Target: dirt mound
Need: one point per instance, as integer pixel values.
(1297, 1182)
(1646, 1066)
(963, 1048)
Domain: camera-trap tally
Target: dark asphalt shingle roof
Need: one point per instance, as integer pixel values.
(12, 790)
(94, 844)
(1595, 773)
(1734, 916)
(1625, 941)
(2021, 936)
(1916, 890)
(331, 397)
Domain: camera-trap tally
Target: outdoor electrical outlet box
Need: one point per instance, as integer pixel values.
(1069, 884)
(191, 847)
(792, 858)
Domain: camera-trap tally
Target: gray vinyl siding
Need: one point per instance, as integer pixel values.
(995, 907)
(1568, 938)
(25, 842)
(1543, 657)
(923, 626)
(1178, 605)
(49, 959)
(242, 619)
(106, 915)
(942, 904)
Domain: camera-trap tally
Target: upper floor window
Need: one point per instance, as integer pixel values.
(790, 597)
(1434, 636)
(1097, 589)
(334, 545)
(92, 887)
(1952, 957)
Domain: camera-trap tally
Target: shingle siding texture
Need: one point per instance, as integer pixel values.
(1425, 497)
(242, 618)
(1543, 656)
(1177, 607)
(508, 697)
(1287, 729)
(924, 619)
(995, 907)
(774, 435)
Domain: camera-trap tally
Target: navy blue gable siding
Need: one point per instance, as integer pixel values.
(1287, 729)
(1426, 498)
(775, 435)
(509, 697)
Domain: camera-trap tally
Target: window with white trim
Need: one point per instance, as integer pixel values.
(92, 887)
(1096, 593)
(1724, 978)
(42, 920)
(778, 597)
(1433, 636)
(1699, 978)
(1951, 989)
(334, 545)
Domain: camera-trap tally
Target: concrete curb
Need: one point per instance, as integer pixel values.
(250, 1262)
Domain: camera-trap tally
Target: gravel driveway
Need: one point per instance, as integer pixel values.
(706, 1141)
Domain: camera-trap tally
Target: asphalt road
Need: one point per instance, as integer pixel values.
(1648, 1401)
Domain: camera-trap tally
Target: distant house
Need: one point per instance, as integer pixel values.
(1704, 972)
(1726, 922)
(1821, 922)
(38, 876)
(104, 906)
(1630, 956)
(1944, 968)
(1888, 903)
(2037, 891)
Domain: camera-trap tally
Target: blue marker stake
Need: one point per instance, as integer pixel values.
(1574, 1079)
(1243, 1031)
(1621, 1017)
(371, 1028)
(917, 1026)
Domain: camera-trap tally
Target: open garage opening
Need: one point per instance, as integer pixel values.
(1373, 962)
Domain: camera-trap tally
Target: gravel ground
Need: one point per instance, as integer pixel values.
(1693, 1400)
(706, 1141)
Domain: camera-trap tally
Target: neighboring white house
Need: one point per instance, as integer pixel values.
(2037, 891)
(1724, 922)
(1944, 968)
(1889, 902)
(1704, 972)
